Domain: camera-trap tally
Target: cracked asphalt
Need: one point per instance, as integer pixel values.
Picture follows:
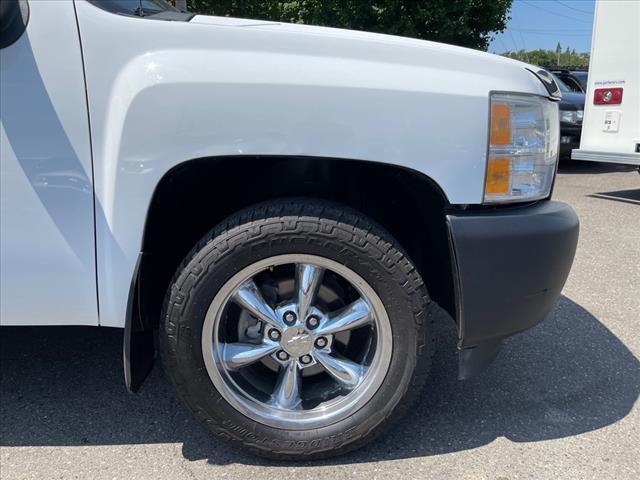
(560, 401)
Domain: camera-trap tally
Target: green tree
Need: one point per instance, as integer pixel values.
(469, 23)
(549, 58)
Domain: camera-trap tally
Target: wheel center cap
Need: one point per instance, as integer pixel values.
(296, 341)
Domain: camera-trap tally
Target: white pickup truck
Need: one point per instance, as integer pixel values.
(274, 209)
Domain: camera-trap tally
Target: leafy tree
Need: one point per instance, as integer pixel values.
(549, 58)
(468, 23)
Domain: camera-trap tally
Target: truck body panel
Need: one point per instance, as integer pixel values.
(611, 129)
(47, 245)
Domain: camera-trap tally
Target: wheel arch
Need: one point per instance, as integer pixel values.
(194, 196)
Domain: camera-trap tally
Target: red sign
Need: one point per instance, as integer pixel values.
(607, 96)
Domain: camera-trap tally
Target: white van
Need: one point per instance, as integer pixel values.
(611, 126)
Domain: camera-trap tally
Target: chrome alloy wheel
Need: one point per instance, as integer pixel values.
(297, 341)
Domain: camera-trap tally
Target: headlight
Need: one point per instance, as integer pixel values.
(569, 116)
(523, 148)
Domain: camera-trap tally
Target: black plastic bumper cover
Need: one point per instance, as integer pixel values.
(510, 267)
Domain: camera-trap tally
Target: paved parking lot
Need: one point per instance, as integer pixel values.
(559, 402)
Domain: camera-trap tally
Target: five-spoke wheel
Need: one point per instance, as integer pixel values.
(297, 341)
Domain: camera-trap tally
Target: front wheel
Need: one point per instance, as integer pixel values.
(297, 328)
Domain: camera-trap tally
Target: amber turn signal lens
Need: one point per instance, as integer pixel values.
(522, 153)
(500, 124)
(498, 176)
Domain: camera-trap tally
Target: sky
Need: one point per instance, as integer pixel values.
(543, 23)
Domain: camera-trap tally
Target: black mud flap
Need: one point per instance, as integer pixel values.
(138, 347)
(472, 361)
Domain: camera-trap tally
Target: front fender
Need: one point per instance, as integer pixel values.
(161, 93)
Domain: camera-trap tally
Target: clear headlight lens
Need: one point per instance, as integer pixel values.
(569, 116)
(523, 148)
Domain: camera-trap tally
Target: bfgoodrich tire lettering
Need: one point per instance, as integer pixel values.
(297, 227)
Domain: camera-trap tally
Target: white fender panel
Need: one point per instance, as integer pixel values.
(161, 93)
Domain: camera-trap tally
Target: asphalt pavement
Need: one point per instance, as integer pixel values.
(559, 402)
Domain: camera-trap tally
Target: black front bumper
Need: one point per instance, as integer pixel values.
(510, 265)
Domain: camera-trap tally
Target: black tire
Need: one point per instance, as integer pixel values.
(297, 226)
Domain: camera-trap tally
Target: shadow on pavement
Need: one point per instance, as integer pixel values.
(578, 166)
(569, 375)
(626, 196)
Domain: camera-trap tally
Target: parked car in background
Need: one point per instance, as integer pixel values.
(274, 207)
(571, 114)
(575, 80)
(583, 78)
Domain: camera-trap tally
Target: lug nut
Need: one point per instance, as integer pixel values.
(274, 334)
(313, 322)
(305, 359)
(289, 318)
(321, 342)
(282, 355)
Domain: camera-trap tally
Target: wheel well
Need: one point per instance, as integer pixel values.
(196, 195)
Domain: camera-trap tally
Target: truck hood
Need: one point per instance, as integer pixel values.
(229, 21)
(319, 35)
(368, 46)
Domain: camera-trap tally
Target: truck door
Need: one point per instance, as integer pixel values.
(47, 249)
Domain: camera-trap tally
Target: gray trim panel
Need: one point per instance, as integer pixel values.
(608, 157)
